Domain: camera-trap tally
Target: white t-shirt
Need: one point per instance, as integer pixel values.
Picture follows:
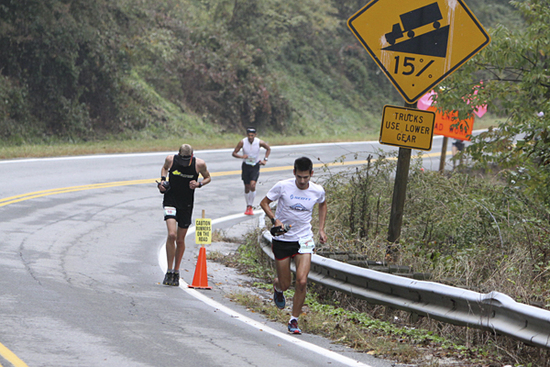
(252, 150)
(295, 207)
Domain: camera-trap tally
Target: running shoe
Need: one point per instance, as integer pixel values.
(279, 299)
(293, 327)
(176, 279)
(167, 279)
(249, 211)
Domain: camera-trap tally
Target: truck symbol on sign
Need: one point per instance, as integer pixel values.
(415, 19)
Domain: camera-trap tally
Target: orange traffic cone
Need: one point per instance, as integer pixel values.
(200, 280)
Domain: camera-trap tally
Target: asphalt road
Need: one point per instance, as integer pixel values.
(80, 274)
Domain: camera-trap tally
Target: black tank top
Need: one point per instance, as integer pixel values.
(180, 195)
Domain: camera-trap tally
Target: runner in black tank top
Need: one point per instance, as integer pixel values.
(180, 195)
(183, 171)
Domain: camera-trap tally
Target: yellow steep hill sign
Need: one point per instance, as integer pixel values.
(418, 43)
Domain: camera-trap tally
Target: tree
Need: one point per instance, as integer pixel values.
(66, 58)
(515, 75)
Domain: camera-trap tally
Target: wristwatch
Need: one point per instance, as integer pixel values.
(273, 221)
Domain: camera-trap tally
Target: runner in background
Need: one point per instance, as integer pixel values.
(252, 161)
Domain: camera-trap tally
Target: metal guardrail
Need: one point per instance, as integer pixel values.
(493, 311)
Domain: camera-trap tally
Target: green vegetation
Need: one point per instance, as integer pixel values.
(512, 76)
(464, 228)
(141, 75)
(87, 71)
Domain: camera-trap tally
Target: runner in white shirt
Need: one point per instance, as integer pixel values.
(296, 198)
(251, 164)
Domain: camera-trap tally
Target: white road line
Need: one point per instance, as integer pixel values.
(198, 152)
(248, 321)
(124, 155)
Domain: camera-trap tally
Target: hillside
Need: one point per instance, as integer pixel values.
(84, 70)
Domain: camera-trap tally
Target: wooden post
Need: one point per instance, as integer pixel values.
(203, 213)
(443, 154)
(399, 193)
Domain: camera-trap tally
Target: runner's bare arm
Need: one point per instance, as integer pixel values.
(166, 166)
(268, 212)
(201, 168)
(164, 172)
(237, 150)
(267, 148)
(323, 209)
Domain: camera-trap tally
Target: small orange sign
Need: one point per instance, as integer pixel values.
(446, 125)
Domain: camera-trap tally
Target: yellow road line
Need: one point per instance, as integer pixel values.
(10, 357)
(38, 194)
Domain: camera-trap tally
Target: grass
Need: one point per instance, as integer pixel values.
(206, 140)
(113, 146)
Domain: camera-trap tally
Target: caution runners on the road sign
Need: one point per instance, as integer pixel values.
(407, 128)
(203, 236)
(203, 231)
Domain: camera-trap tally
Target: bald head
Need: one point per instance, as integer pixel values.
(186, 151)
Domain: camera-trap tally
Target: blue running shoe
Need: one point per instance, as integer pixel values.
(293, 327)
(279, 299)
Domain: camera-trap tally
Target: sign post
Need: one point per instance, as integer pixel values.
(407, 128)
(398, 199)
(417, 44)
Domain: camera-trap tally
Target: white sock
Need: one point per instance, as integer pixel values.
(251, 196)
(293, 318)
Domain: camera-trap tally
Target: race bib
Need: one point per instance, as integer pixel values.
(306, 245)
(169, 211)
(250, 160)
